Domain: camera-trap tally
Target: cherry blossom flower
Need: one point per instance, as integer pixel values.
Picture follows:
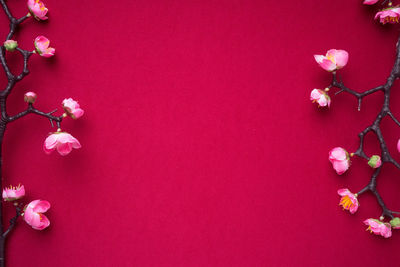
(33, 214)
(13, 193)
(340, 159)
(349, 200)
(62, 141)
(378, 227)
(321, 97)
(72, 108)
(37, 9)
(389, 15)
(370, 2)
(334, 59)
(42, 47)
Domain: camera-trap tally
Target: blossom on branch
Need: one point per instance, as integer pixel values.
(321, 97)
(13, 193)
(395, 223)
(10, 45)
(37, 9)
(30, 97)
(340, 159)
(72, 108)
(349, 200)
(378, 227)
(334, 59)
(62, 141)
(389, 15)
(375, 161)
(370, 2)
(33, 214)
(42, 47)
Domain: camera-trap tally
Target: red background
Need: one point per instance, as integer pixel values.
(200, 144)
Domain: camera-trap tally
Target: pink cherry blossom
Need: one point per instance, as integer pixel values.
(334, 59)
(370, 2)
(33, 214)
(72, 108)
(398, 145)
(378, 227)
(37, 9)
(349, 200)
(13, 193)
(62, 141)
(30, 97)
(321, 97)
(340, 159)
(42, 47)
(389, 15)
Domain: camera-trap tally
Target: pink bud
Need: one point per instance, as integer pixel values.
(37, 9)
(320, 97)
(62, 141)
(30, 97)
(42, 46)
(33, 214)
(398, 145)
(340, 159)
(13, 193)
(72, 108)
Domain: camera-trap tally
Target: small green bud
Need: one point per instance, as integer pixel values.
(10, 45)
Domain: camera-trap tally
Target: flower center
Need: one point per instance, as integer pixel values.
(346, 202)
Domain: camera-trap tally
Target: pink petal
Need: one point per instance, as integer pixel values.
(341, 58)
(370, 2)
(64, 148)
(41, 206)
(328, 65)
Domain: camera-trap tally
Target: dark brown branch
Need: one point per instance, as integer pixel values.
(375, 126)
(13, 221)
(33, 110)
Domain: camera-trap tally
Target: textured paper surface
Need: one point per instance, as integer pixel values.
(200, 144)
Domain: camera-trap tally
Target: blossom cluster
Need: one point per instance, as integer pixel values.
(33, 212)
(391, 14)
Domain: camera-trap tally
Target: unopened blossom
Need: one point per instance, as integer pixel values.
(30, 97)
(72, 108)
(375, 161)
(389, 15)
(13, 193)
(349, 200)
(62, 141)
(398, 145)
(10, 45)
(395, 223)
(378, 227)
(37, 9)
(33, 214)
(42, 47)
(333, 60)
(340, 159)
(370, 2)
(321, 97)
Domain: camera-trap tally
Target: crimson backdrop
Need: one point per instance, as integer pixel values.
(200, 146)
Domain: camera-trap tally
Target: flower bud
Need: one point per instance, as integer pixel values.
(30, 97)
(10, 45)
(395, 223)
(375, 161)
(340, 159)
(321, 97)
